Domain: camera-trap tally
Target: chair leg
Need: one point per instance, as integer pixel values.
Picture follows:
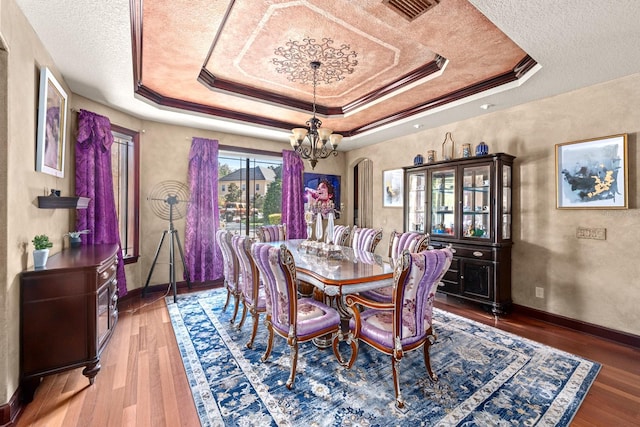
(267, 352)
(427, 360)
(353, 343)
(236, 298)
(294, 365)
(226, 303)
(396, 382)
(244, 314)
(254, 331)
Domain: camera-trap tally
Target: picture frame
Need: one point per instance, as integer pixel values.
(312, 181)
(392, 188)
(52, 125)
(592, 173)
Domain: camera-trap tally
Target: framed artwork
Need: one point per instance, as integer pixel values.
(592, 173)
(392, 188)
(52, 125)
(321, 187)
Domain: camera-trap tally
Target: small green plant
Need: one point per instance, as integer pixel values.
(41, 241)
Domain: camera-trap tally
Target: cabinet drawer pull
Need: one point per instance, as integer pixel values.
(105, 274)
(477, 253)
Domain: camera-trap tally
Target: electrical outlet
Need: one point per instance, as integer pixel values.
(539, 292)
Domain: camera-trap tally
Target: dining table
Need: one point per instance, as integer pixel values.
(338, 270)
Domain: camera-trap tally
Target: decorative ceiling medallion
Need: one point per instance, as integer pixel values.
(336, 62)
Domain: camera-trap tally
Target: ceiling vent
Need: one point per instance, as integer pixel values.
(411, 9)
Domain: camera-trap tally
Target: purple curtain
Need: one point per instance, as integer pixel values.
(292, 195)
(94, 180)
(202, 254)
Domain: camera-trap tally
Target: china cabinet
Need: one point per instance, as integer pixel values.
(466, 203)
(68, 312)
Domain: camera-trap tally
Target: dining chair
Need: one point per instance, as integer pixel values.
(230, 270)
(272, 233)
(250, 285)
(365, 239)
(341, 234)
(405, 323)
(398, 242)
(411, 240)
(296, 320)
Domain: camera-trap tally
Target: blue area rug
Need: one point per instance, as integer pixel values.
(486, 377)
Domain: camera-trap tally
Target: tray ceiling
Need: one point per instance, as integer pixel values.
(246, 60)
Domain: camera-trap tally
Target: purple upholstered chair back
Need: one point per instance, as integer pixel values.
(341, 234)
(416, 277)
(411, 240)
(272, 233)
(365, 239)
(249, 281)
(277, 268)
(230, 263)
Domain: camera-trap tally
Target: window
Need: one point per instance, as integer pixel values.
(224, 188)
(241, 211)
(125, 168)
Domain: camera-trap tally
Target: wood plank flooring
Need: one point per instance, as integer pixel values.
(143, 383)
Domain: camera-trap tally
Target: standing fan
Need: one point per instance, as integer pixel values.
(168, 201)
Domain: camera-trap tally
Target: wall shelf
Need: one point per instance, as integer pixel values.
(55, 202)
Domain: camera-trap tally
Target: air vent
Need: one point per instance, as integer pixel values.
(411, 9)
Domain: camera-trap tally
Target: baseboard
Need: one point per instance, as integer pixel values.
(577, 325)
(181, 286)
(9, 411)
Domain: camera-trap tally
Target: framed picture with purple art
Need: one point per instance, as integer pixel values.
(392, 191)
(592, 173)
(52, 125)
(322, 188)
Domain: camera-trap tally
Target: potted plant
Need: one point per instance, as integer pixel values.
(74, 237)
(41, 243)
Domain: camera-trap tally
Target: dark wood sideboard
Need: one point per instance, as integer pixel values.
(68, 312)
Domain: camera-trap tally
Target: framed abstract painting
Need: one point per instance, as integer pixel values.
(52, 125)
(592, 173)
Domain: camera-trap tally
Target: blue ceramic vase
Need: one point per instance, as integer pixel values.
(482, 149)
(418, 160)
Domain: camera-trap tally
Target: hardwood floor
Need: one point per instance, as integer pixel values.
(143, 383)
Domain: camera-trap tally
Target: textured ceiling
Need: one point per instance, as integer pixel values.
(391, 65)
(209, 64)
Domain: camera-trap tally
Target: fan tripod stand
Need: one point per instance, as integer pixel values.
(174, 240)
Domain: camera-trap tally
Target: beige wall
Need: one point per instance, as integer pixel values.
(164, 151)
(23, 184)
(590, 280)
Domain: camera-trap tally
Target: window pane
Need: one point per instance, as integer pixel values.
(241, 210)
(123, 166)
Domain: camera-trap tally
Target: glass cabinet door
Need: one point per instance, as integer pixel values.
(506, 202)
(416, 215)
(476, 202)
(443, 202)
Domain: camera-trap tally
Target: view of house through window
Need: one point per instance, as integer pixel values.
(124, 167)
(249, 191)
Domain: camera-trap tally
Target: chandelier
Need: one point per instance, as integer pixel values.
(314, 142)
